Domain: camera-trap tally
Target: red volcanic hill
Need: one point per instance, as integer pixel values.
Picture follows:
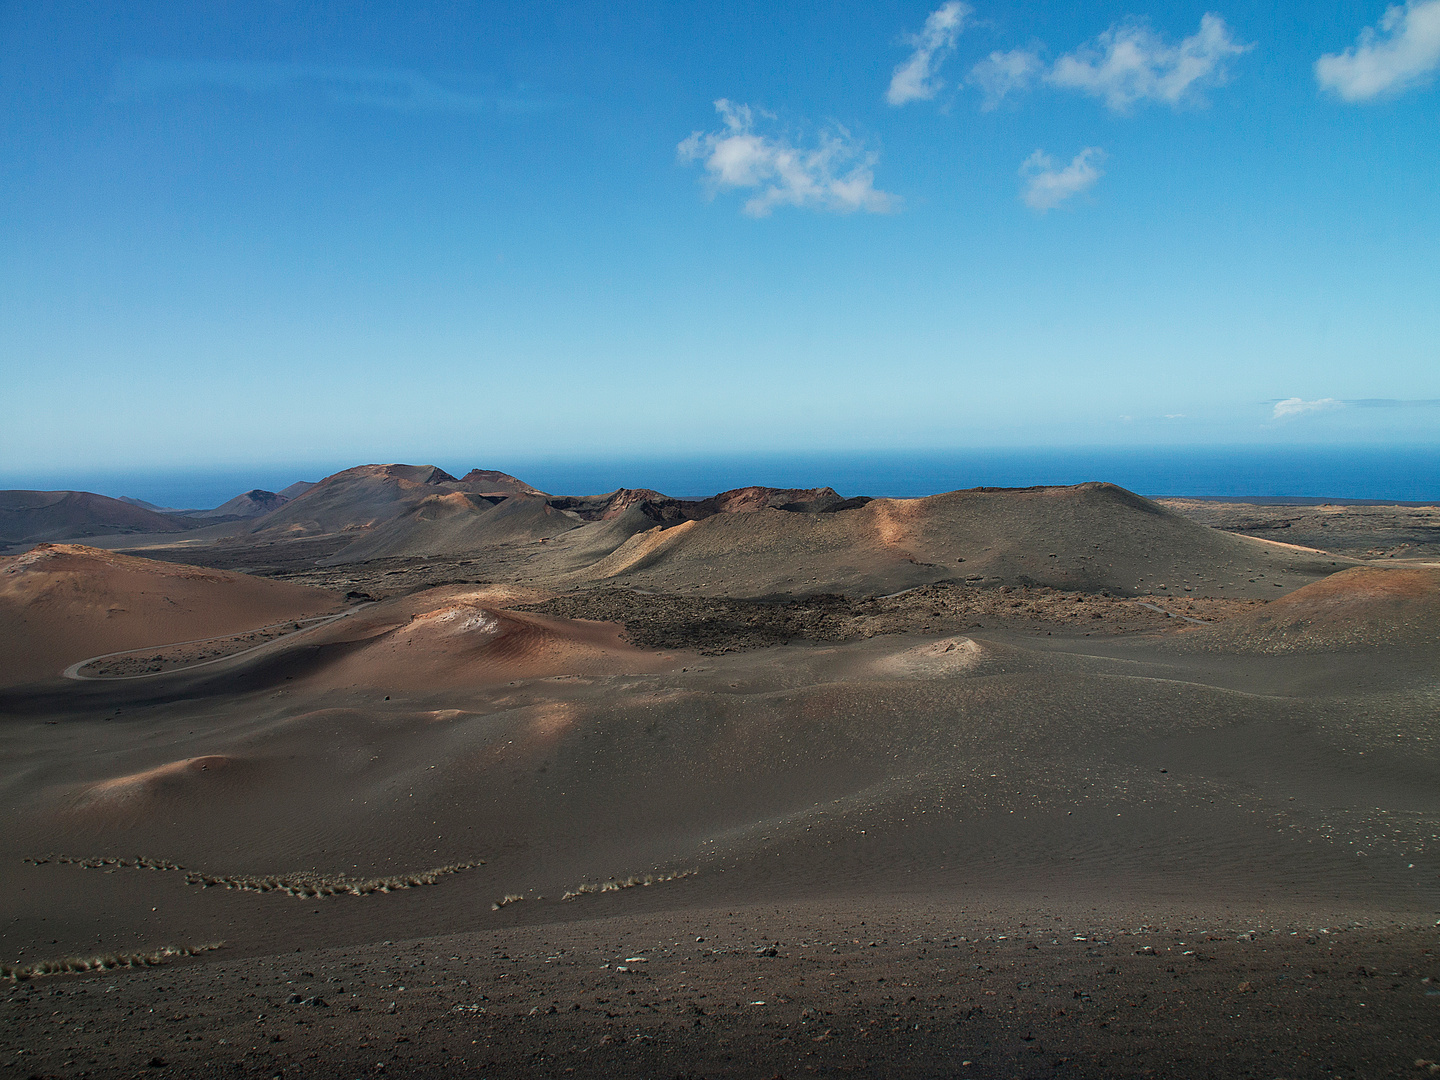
(356, 498)
(408, 510)
(30, 516)
(368, 496)
(1361, 608)
(60, 603)
(459, 637)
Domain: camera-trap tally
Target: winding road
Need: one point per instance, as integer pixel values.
(73, 671)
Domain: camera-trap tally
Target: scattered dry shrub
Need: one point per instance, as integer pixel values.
(301, 884)
(616, 884)
(108, 962)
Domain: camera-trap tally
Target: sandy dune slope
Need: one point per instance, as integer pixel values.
(439, 728)
(60, 603)
(456, 638)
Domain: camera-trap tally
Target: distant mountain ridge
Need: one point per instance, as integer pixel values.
(34, 516)
(402, 499)
(252, 503)
(754, 540)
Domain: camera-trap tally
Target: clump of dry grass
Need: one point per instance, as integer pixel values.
(109, 962)
(139, 862)
(616, 884)
(507, 900)
(305, 884)
(301, 884)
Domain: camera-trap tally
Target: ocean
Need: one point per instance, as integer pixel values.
(1410, 474)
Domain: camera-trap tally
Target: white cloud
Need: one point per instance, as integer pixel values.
(1405, 52)
(783, 174)
(1003, 73)
(1046, 187)
(1295, 406)
(917, 78)
(1130, 63)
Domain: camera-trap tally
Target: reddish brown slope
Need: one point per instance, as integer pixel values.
(1362, 608)
(60, 603)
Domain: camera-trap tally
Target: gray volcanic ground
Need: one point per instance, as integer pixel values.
(461, 776)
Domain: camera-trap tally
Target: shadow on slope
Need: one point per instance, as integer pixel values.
(459, 523)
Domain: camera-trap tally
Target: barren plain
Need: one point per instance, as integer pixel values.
(423, 776)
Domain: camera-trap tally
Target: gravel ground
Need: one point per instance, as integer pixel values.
(892, 987)
(715, 626)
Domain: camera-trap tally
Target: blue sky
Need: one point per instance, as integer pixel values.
(282, 233)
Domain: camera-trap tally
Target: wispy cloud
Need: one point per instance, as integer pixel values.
(1403, 53)
(1047, 187)
(394, 89)
(1003, 73)
(1130, 63)
(1293, 406)
(837, 174)
(917, 79)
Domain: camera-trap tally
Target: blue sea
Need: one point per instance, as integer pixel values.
(1409, 474)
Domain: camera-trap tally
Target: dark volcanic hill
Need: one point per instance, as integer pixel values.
(488, 481)
(1090, 537)
(151, 506)
(250, 504)
(457, 523)
(666, 510)
(32, 516)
